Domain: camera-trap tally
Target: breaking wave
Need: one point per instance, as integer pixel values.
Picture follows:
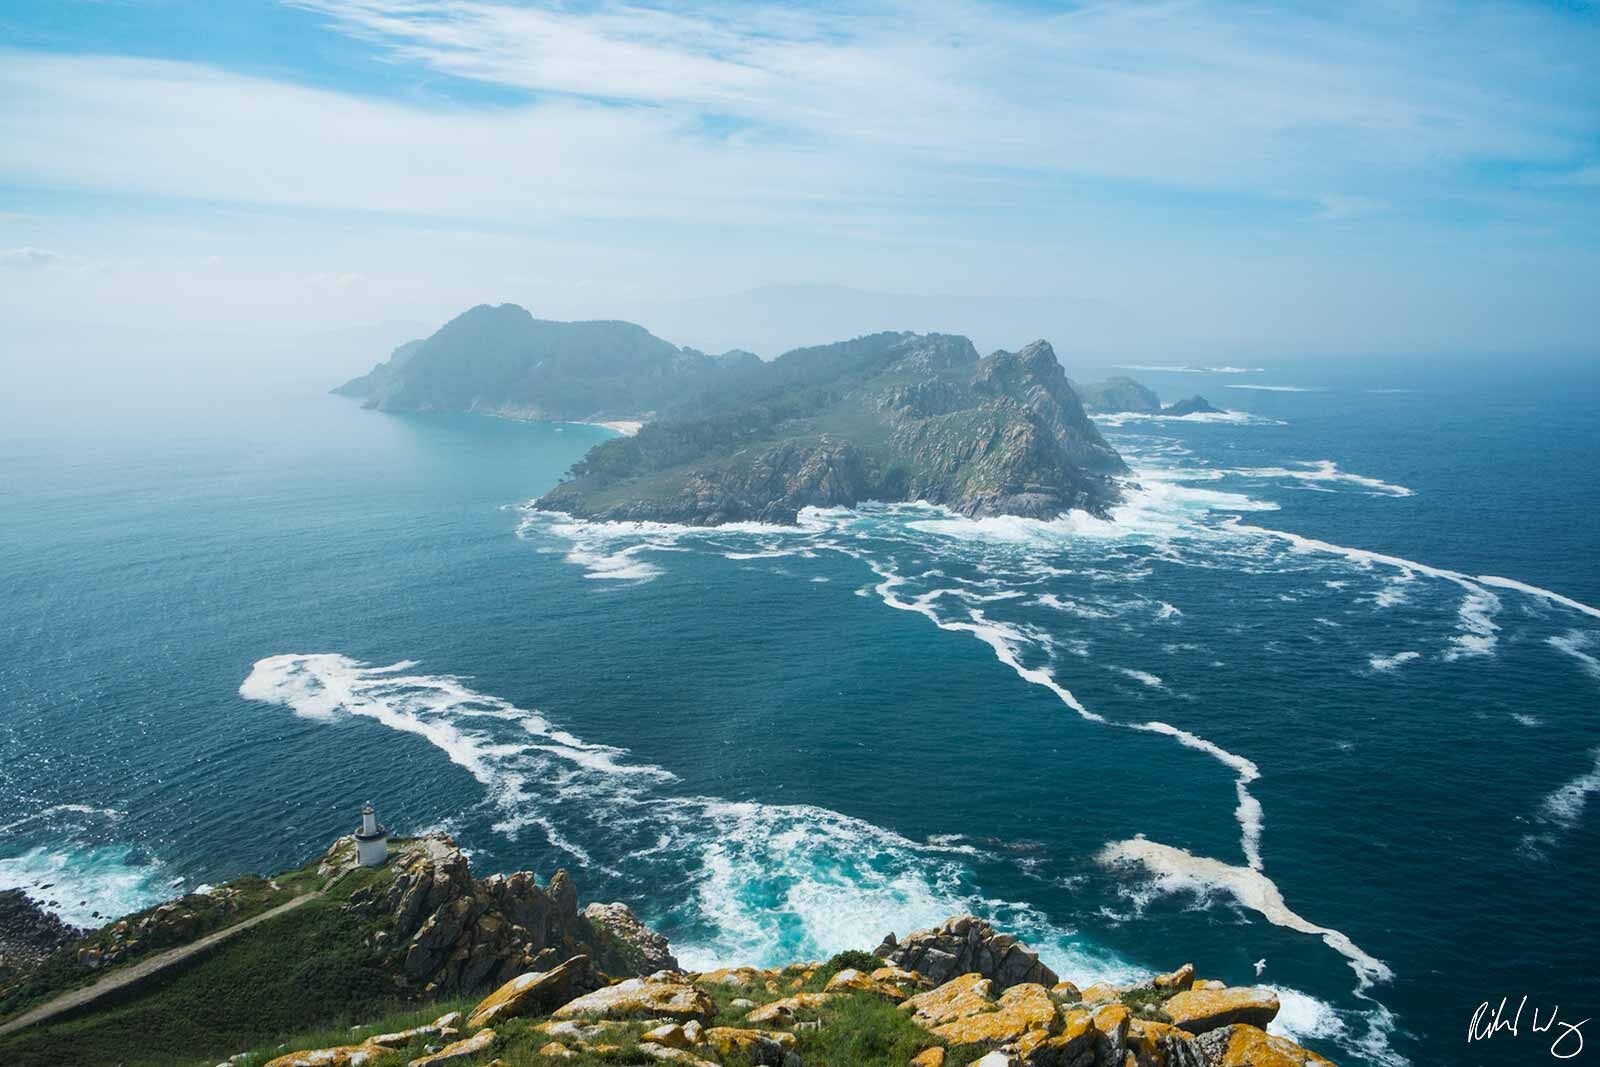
(767, 883)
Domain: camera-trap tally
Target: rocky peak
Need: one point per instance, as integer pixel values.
(451, 932)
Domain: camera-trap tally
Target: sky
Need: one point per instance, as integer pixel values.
(1183, 180)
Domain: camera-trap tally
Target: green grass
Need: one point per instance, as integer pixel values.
(62, 971)
(308, 968)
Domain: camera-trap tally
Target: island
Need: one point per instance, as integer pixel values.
(1194, 405)
(890, 417)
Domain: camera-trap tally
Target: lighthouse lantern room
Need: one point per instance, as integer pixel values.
(372, 840)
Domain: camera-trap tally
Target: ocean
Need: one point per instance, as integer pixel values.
(1322, 694)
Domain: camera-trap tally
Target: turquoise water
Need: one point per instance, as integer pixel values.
(1217, 729)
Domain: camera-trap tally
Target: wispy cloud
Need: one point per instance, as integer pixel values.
(28, 258)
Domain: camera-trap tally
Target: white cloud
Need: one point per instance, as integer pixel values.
(28, 258)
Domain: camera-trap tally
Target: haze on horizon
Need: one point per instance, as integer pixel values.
(1193, 181)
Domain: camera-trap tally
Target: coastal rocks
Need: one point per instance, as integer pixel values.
(1240, 1045)
(444, 1026)
(536, 992)
(964, 945)
(29, 933)
(1199, 1010)
(1194, 405)
(851, 980)
(459, 1052)
(1018, 1010)
(784, 1012)
(932, 1057)
(339, 1056)
(173, 923)
(626, 945)
(658, 997)
(756, 1046)
(454, 933)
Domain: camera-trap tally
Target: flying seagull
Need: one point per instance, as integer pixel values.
(1261, 965)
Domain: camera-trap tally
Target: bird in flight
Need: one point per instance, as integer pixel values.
(1261, 965)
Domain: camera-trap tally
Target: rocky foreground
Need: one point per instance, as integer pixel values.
(597, 986)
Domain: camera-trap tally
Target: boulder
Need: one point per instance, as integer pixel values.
(1241, 1045)
(626, 945)
(1111, 1034)
(1177, 981)
(1066, 992)
(459, 1052)
(752, 1046)
(956, 999)
(555, 1050)
(907, 982)
(340, 1056)
(642, 998)
(669, 1034)
(536, 992)
(1072, 1045)
(783, 1012)
(1019, 1010)
(965, 944)
(851, 980)
(1199, 1010)
(932, 1057)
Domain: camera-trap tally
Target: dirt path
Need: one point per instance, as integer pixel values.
(144, 968)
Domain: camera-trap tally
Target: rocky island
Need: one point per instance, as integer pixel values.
(419, 963)
(888, 417)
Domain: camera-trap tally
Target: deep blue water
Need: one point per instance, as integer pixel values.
(224, 630)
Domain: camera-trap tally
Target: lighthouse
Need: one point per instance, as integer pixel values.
(372, 840)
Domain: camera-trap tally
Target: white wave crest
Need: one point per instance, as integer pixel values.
(1115, 419)
(87, 886)
(1389, 663)
(1279, 388)
(769, 883)
(1323, 470)
(1168, 368)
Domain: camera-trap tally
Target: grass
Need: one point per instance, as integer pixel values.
(62, 971)
(310, 967)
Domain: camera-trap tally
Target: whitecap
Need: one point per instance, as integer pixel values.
(87, 886)
(1389, 663)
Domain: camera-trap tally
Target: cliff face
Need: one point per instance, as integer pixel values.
(891, 417)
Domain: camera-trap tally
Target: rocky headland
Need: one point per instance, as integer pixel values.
(505, 971)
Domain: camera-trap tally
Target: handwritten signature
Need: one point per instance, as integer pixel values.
(1488, 1021)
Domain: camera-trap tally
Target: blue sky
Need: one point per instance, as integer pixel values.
(1174, 178)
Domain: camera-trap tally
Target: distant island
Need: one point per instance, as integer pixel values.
(729, 438)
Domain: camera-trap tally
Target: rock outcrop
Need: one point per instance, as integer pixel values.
(624, 944)
(453, 933)
(966, 944)
(661, 996)
(1194, 405)
(29, 933)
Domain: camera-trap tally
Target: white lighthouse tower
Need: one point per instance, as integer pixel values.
(372, 840)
